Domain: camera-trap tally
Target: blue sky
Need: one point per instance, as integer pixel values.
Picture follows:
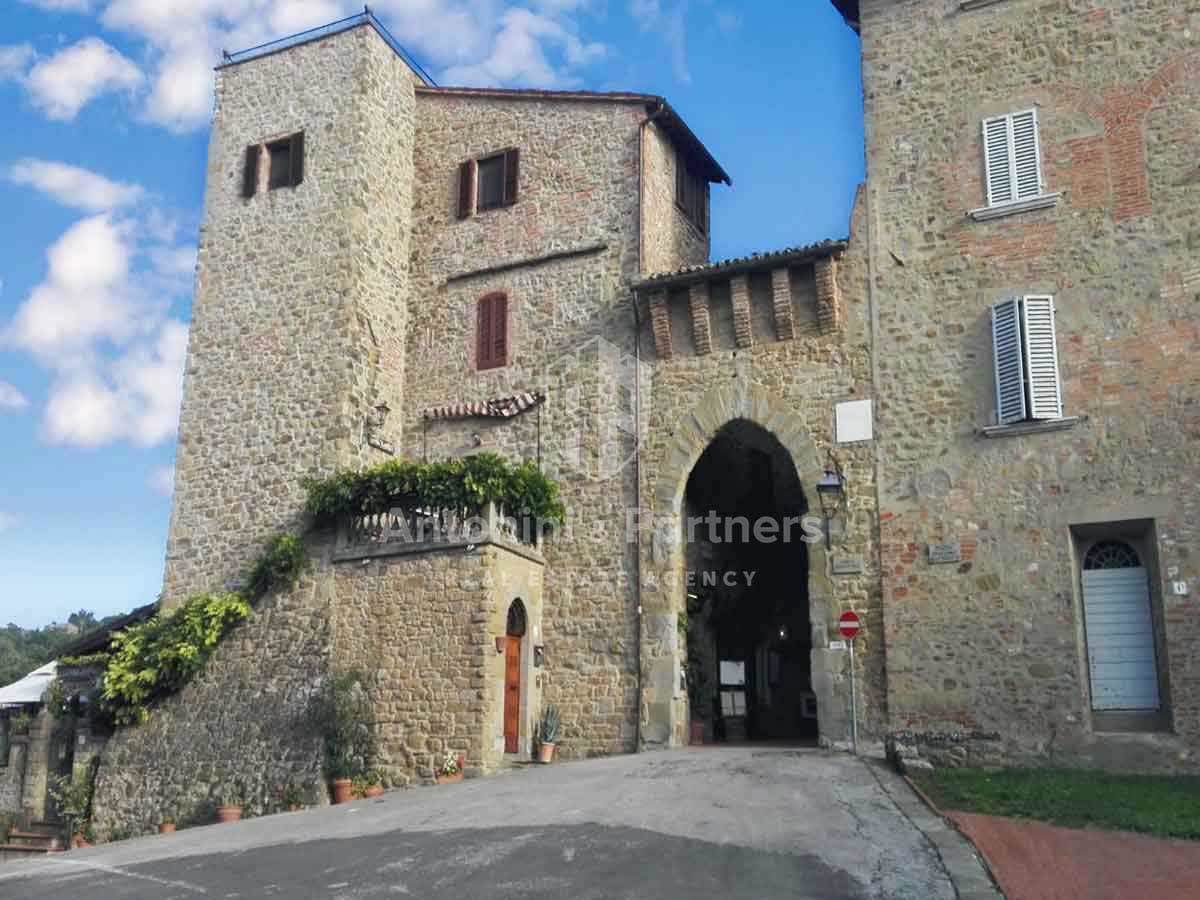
(105, 107)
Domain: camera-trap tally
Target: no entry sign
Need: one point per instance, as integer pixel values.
(849, 624)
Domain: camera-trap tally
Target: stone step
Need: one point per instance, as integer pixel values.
(17, 837)
(54, 829)
(16, 851)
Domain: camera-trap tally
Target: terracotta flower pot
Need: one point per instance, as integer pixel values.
(375, 790)
(294, 807)
(79, 842)
(450, 779)
(229, 813)
(697, 732)
(167, 827)
(545, 752)
(343, 790)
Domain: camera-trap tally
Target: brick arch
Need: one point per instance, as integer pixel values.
(662, 708)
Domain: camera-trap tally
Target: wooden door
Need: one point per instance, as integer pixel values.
(512, 695)
(1120, 639)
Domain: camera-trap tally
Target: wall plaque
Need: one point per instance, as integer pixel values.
(945, 553)
(847, 566)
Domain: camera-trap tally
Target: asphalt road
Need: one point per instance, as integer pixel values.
(700, 824)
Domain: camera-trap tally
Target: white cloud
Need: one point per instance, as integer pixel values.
(15, 59)
(7, 521)
(671, 25)
(11, 398)
(98, 321)
(518, 55)
(162, 480)
(134, 399)
(182, 94)
(66, 82)
(61, 5)
(73, 186)
(82, 300)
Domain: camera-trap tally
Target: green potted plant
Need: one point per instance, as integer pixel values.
(450, 769)
(373, 783)
(291, 796)
(547, 733)
(341, 713)
(73, 795)
(229, 809)
(167, 825)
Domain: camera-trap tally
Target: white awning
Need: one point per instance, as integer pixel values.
(31, 688)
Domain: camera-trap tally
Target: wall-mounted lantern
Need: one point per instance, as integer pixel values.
(539, 655)
(501, 643)
(831, 491)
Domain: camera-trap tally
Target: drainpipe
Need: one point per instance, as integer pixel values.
(637, 413)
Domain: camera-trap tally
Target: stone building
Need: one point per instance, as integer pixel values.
(388, 267)
(1043, 153)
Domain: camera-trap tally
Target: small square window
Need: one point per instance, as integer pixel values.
(491, 182)
(281, 164)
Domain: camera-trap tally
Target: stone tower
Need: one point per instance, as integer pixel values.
(297, 335)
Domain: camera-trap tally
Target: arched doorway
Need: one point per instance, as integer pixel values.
(664, 714)
(514, 632)
(748, 634)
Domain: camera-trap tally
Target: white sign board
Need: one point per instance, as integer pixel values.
(855, 421)
(733, 672)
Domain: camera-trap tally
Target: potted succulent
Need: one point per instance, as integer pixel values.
(450, 769)
(291, 796)
(229, 809)
(167, 825)
(547, 733)
(373, 783)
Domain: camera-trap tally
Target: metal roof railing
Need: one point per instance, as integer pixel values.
(366, 17)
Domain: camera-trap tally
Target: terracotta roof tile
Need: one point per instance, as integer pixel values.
(743, 263)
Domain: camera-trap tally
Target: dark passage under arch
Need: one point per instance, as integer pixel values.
(748, 629)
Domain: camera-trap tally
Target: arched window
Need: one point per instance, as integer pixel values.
(516, 619)
(1111, 555)
(491, 331)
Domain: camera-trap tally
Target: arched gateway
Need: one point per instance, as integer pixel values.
(730, 425)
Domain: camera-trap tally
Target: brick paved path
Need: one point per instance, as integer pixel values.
(1035, 861)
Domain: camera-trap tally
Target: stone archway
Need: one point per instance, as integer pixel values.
(663, 702)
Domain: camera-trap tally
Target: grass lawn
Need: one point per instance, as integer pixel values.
(1165, 806)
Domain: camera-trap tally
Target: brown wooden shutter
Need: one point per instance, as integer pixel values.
(483, 334)
(297, 158)
(250, 174)
(500, 330)
(466, 175)
(491, 331)
(512, 167)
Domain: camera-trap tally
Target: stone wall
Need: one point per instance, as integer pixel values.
(12, 774)
(300, 298)
(422, 626)
(789, 387)
(669, 240)
(986, 657)
(241, 722)
(571, 336)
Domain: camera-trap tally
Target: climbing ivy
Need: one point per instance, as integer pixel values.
(467, 484)
(279, 566)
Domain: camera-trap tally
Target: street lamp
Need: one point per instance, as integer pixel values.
(831, 492)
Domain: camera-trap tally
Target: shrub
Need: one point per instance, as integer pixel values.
(279, 566)
(157, 657)
(465, 484)
(342, 714)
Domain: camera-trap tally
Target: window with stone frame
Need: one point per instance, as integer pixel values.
(489, 182)
(274, 164)
(491, 331)
(691, 194)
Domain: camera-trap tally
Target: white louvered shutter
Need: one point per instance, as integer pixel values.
(997, 160)
(1012, 157)
(1027, 157)
(1008, 358)
(1041, 358)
